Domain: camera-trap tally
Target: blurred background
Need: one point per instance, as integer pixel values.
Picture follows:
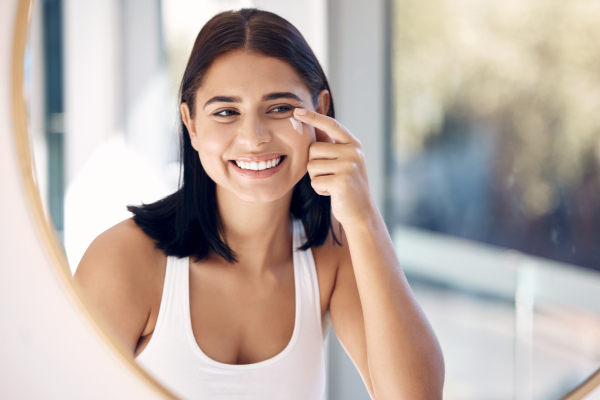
(481, 130)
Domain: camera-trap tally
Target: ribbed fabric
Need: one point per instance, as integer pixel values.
(174, 358)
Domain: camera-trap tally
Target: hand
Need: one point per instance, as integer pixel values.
(336, 166)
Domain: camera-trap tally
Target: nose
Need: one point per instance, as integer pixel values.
(253, 131)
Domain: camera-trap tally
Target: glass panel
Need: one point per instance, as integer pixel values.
(477, 333)
(566, 328)
(496, 160)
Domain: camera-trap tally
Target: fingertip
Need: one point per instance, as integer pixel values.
(300, 112)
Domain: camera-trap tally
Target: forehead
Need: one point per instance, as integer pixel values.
(247, 74)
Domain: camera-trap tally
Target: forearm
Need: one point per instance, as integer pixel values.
(405, 359)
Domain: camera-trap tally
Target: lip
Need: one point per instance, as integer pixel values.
(257, 158)
(265, 173)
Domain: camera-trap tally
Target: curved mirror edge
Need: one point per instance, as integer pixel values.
(45, 230)
(590, 387)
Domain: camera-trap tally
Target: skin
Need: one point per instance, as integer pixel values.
(244, 313)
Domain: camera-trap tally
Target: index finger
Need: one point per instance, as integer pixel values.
(330, 126)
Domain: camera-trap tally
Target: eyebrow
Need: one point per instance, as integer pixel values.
(281, 95)
(267, 97)
(223, 99)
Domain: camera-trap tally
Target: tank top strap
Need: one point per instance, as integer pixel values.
(172, 311)
(308, 277)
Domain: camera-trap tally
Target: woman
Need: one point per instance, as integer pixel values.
(223, 289)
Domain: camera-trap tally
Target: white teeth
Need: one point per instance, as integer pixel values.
(258, 166)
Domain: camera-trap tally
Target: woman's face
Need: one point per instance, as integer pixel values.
(242, 116)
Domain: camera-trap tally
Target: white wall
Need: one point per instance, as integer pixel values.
(92, 78)
(119, 133)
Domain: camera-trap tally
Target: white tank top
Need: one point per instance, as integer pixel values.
(174, 358)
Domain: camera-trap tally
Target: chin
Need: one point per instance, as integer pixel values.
(260, 196)
(257, 191)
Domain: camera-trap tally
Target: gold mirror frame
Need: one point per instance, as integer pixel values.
(50, 241)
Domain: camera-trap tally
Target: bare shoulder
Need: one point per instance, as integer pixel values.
(123, 251)
(121, 274)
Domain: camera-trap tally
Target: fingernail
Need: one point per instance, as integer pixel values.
(300, 111)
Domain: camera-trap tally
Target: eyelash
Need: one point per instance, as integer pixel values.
(218, 113)
(287, 107)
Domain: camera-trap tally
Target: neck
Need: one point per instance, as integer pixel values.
(259, 233)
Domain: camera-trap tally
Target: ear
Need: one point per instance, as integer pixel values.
(324, 100)
(189, 124)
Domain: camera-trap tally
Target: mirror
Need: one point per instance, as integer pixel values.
(100, 81)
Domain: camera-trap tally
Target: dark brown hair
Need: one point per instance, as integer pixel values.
(187, 222)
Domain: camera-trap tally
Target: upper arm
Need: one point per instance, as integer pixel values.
(346, 314)
(118, 275)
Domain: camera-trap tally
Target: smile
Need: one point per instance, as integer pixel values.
(258, 169)
(259, 166)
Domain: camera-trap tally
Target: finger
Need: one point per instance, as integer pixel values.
(323, 150)
(322, 167)
(329, 151)
(330, 126)
(323, 185)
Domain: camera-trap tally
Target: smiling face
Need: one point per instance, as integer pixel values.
(242, 116)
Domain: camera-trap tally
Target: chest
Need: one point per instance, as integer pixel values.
(243, 320)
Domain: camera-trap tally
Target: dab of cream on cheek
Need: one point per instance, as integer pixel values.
(297, 125)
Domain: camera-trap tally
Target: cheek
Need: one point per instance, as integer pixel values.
(292, 133)
(309, 131)
(303, 130)
(301, 145)
(211, 148)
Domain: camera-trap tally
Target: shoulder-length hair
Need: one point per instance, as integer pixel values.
(187, 222)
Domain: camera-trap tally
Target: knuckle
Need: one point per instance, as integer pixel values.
(334, 124)
(351, 166)
(357, 153)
